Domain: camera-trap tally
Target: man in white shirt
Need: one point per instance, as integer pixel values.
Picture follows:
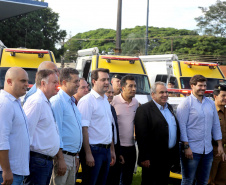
(44, 136)
(97, 130)
(44, 65)
(14, 135)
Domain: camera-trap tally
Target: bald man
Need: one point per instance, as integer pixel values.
(14, 136)
(44, 65)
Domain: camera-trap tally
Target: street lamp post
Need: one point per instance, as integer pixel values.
(118, 29)
(146, 41)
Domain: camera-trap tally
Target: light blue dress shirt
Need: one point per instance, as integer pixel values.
(170, 119)
(68, 119)
(198, 122)
(14, 134)
(30, 92)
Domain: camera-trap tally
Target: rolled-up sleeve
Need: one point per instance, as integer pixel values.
(6, 123)
(86, 109)
(183, 116)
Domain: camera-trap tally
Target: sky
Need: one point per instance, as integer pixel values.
(78, 16)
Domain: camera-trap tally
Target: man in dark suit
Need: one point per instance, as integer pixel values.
(115, 170)
(157, 134)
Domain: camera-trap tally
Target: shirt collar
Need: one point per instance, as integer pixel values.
(219, 109)
(42, 94)
(96, 95)
(10, 96)
(160, 106)
(194, 97)
(65, 96)
(124, 101)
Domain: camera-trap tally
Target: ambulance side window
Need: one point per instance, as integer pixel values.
(86, 69)
(174, 79)
(161, 78)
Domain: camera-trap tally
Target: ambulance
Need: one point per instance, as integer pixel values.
(90, 59)
(28, 59)
(167, 68)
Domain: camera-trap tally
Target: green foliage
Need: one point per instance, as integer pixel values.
(36, 30)
(213, 20)
(161, 41)
(135, 43)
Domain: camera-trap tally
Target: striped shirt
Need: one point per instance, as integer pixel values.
(199, 123)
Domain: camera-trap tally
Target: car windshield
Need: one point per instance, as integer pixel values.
(30, 71)
(211, 82)
(142, 82)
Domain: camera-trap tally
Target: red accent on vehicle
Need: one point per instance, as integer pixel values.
(187, 91)
(200, 64)
(27, 51)
(119, 58)
(30, 86)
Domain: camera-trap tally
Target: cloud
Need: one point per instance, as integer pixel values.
(80, 16)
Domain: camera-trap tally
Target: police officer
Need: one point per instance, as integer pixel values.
(217, 173)
(115, 81)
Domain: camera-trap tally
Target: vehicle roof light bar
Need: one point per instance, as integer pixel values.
(39, 52)
(187, 91)
(200, 64)
(130, 59)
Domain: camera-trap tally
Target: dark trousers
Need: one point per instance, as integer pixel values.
(155, 176)
(96, 175)
(159, 170)
(115, 171)
(40, 171)
(129, 154)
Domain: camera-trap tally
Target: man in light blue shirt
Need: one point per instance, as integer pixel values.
(44, 65)
(68, 119)
(14, 134)
(199, 123)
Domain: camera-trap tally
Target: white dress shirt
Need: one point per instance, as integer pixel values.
(14, 135)
(97, 116)
(43, 130)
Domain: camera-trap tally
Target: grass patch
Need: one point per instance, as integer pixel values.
(137, 177)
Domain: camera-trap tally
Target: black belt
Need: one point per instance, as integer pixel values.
(103, 145)
(69, 153)
(35, 154)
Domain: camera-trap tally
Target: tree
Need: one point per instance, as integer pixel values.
(213, 22)
(134, 44)
(36, 30)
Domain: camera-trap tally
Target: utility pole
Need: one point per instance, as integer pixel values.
(118, 49)
(146, 43)
(171, 46)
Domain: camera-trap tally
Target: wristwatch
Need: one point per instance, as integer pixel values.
(186, 146)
